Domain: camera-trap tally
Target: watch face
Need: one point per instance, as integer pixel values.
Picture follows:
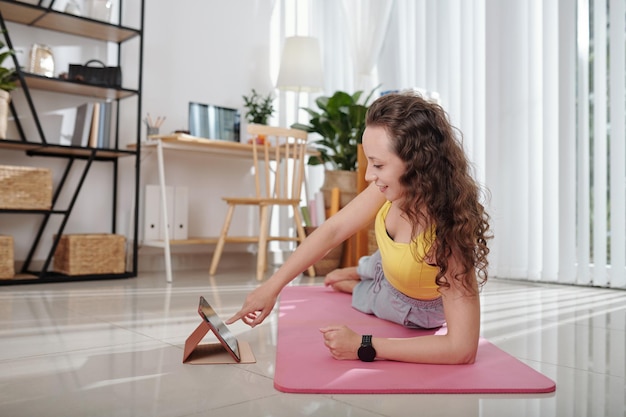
(367, 353)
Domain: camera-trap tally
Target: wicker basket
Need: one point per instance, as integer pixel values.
(90, 254)
(7, 268)
(330, 261)
(25, 188)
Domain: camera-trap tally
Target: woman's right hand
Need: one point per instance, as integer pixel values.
(258, 305)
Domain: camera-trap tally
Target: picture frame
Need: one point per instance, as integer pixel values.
(41, 60)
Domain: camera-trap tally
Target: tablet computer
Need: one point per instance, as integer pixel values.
(226, 338)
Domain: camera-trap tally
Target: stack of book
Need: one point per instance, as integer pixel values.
(93, 125)
(316, 213)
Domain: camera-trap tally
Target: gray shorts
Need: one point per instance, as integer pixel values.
(375, 295)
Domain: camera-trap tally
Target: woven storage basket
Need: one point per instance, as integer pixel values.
(7, 269)
(330, 261)
(25, 188)
(90, 254)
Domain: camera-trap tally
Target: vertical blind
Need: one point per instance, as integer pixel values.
(538, 90)
(601, 154)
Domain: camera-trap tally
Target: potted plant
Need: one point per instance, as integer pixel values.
(340, 121)
(7, 84)
(259, 108)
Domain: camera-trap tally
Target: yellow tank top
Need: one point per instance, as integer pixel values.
(407, 275)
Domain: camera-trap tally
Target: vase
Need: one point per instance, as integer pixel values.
(346, 181)
(5, 97)
(330, 261)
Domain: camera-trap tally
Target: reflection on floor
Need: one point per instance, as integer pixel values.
(114, 348)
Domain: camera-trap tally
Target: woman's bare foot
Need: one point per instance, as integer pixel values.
(343, 279)
(346, 286)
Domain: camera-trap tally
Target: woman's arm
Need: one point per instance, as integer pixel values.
(457, 346)
(357, 214)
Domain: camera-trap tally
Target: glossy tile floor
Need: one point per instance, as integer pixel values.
(114, 348)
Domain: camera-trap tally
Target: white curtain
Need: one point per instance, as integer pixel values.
(524, 161)
(351, 33)
(556, 154)
(367, 21)
(617, 204)
(439, 46)
(546, 142)
(510, 74)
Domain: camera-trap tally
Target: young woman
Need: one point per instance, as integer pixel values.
(431, 231)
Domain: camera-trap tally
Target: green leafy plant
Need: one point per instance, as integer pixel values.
(340, 121)
(259, 108)
(7, 75)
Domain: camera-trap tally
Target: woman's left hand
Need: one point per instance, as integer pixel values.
(342, 342)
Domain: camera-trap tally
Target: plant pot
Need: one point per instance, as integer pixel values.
(5, 97)
(331, 261)
(346, 181)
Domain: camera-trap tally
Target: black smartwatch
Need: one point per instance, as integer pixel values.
(366, 352)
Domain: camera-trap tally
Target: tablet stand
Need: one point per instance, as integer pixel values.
(212, 353)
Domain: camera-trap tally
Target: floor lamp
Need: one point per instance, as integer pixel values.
(301, 71)
(301, 67)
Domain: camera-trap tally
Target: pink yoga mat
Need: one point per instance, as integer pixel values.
(303, 363)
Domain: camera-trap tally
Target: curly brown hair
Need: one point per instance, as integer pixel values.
(439, 187)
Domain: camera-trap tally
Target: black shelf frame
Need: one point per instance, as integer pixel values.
(46, 18)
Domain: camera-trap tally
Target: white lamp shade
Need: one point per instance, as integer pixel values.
(301, 65)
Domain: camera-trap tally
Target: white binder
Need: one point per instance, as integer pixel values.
(169, 199)
(177, 203)
(152, 208)
(181, 202)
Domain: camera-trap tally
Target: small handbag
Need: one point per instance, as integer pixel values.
(96, 75)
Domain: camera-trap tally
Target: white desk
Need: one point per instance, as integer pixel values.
(183, 142)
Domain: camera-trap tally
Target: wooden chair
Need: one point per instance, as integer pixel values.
(279, 178)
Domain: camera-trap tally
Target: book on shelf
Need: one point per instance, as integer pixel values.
(92, 127)
(82, 125)
(95, 121)
(104, 127)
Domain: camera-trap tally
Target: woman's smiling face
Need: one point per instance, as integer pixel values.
(384, 167)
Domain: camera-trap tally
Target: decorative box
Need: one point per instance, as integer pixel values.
(90, 254)
(7, 269)
(25, 188)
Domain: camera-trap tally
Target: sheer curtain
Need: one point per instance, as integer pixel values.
(350, 33)
(526, 166)
(559, 207)
(510, 74)
(367, 22)
(542, 111)
(439, 46)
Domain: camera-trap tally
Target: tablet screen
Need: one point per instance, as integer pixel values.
(219, 328)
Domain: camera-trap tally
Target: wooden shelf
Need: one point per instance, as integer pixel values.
(32, 211)
(32, 278)
(58, 85)
(41, 17)
(36, 16)
(190, 241)
(41, 149)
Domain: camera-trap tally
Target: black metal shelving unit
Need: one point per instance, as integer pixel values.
(45, 17)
